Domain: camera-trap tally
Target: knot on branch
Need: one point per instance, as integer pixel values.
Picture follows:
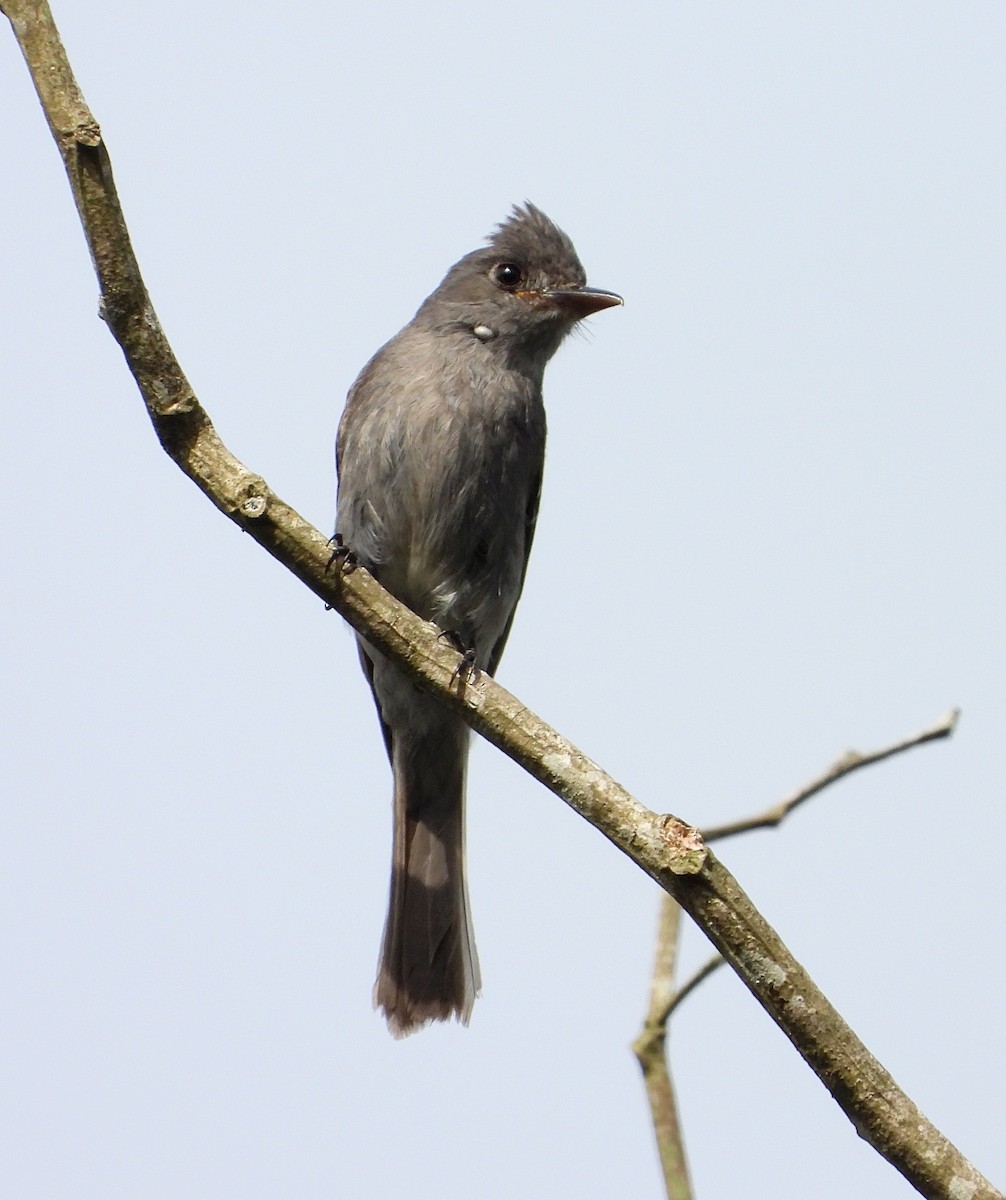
(85, 133)
(685, 844)
(252, 500)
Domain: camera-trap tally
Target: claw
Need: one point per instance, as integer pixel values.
(455, 639)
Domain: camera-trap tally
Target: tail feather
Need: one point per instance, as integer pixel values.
(428, 968)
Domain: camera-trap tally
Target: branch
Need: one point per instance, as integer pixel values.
(663, 846)
(651, 1045)
(850, 761)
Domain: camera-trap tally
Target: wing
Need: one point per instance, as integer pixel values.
(356, 403)
(368, 670)
(530, 519)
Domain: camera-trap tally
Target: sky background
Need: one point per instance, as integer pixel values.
(771, 528)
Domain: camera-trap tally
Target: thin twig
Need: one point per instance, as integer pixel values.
(665, 847)
(851, 760)
(651, 1051)
(650, 1048)
(712, 964)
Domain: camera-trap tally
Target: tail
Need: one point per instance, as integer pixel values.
(429, 970)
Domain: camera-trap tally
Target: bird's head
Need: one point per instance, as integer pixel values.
(526, 287)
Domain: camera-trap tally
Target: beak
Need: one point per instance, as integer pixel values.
(580, 302)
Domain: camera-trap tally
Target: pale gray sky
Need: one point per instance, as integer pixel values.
(771, 528)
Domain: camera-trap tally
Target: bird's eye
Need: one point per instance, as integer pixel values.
(508, 275)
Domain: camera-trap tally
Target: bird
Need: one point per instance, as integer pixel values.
(439, 459)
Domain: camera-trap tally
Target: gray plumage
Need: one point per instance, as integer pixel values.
(439, 456)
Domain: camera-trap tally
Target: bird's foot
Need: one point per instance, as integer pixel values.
(466, 668)
(342, 555)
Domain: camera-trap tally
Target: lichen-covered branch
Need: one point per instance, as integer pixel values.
(665, 847)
